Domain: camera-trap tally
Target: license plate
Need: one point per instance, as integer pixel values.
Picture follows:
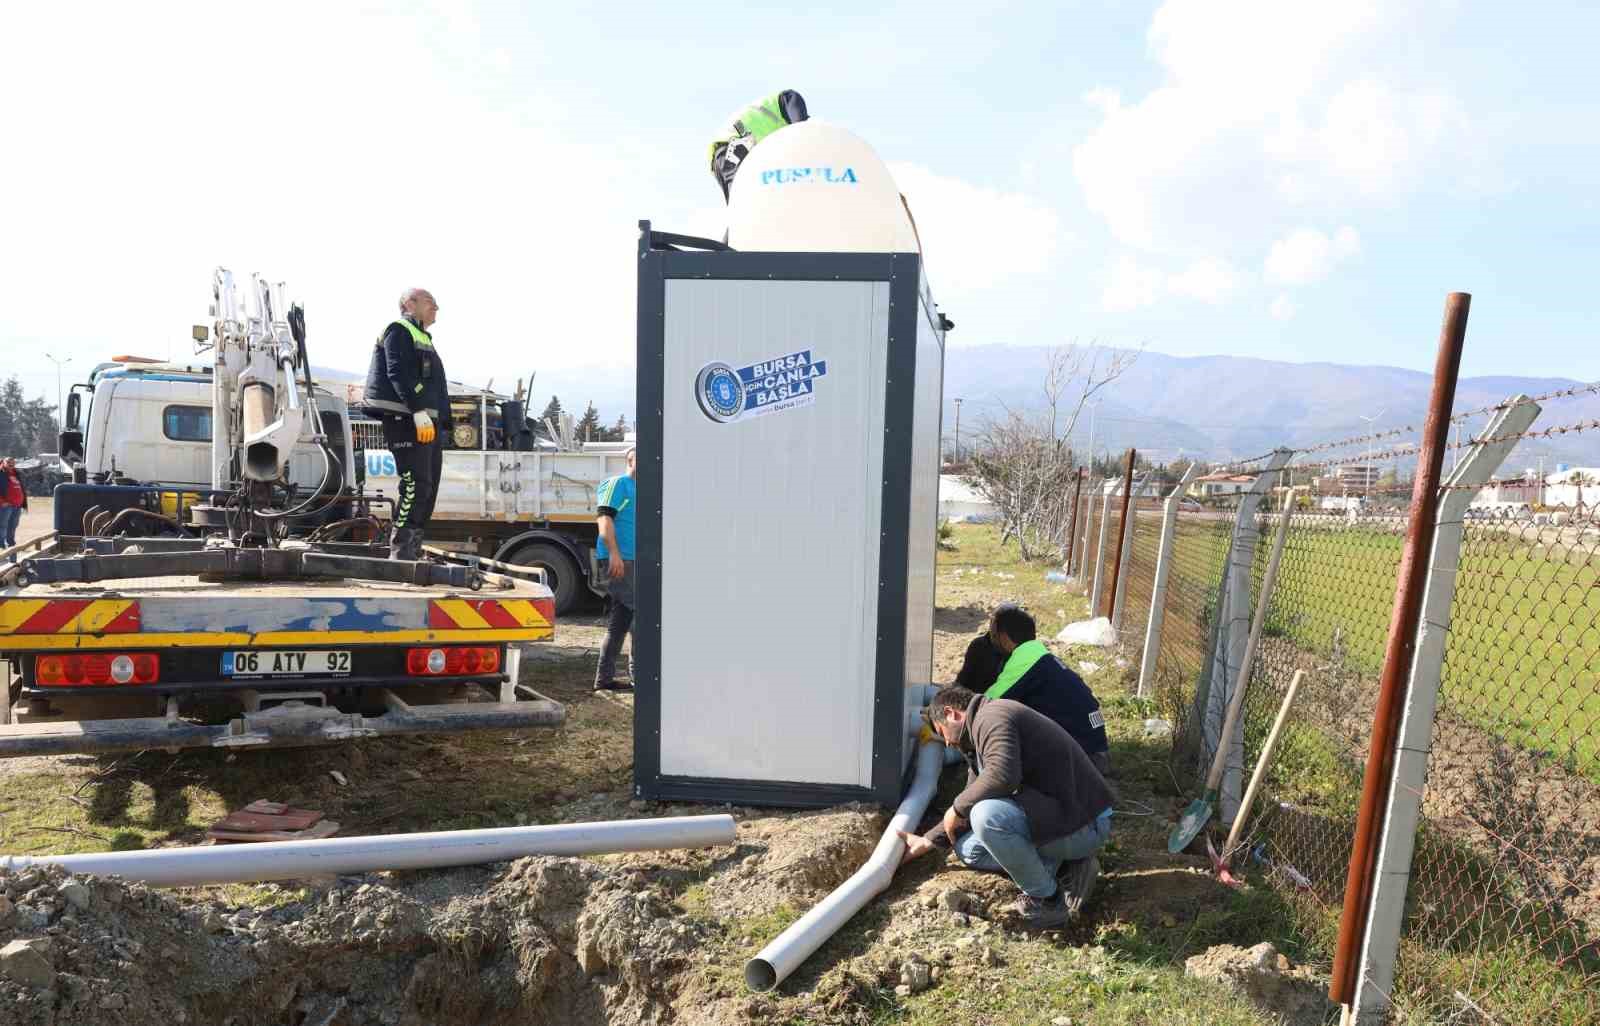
(270, 663)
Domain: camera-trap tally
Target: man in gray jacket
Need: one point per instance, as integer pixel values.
(1033, 803)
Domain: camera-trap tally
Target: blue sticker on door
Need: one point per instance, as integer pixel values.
(779, 385)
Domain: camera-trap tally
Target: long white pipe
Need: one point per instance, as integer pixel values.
(792, 947)
(291, 860)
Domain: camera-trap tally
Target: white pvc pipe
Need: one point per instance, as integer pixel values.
(777, 960)
(291, 860)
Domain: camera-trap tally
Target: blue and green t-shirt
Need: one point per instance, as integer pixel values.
(616, 499)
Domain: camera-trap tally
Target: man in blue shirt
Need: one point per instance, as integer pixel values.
(616, 503)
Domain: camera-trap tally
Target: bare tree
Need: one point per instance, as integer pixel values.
(1022, 461)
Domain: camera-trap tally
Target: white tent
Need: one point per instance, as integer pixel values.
(958, 501)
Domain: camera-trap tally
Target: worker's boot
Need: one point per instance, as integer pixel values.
(406, 543)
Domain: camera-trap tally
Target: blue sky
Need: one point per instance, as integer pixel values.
(1300, 181)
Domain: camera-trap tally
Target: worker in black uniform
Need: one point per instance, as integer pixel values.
(407, 391)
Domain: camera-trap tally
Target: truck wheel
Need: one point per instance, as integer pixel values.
(560, 571)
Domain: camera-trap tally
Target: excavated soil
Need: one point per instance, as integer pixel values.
(536, 940)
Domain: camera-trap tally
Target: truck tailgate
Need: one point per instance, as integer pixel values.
(185, 611)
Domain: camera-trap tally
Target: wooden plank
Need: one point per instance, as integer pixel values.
(326, 828)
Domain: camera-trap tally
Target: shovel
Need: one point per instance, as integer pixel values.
(1198, 813)
(1245, 806)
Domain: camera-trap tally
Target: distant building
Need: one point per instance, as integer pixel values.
(1571, 488)
(1357, 475)
(1221, 483)
(1574, 488)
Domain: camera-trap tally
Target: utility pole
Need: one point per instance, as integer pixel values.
(61, 413)
(1370, 478)
(958, 430)
(1092, 408)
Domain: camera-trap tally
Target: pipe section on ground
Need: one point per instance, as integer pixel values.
(784, 955)
(292, 860)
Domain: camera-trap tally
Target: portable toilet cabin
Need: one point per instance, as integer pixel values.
(788, 472)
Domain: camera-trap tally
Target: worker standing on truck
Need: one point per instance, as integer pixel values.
(747, 128)
(407, 392)
(616, 502)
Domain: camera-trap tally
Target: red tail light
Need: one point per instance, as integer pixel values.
(98, 668)
(452, 661)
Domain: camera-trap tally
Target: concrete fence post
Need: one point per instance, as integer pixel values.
(1236, 607)
(1110, 489)
(1083, 542)
(1401, 817)
(1120, 599)
(1158, 594)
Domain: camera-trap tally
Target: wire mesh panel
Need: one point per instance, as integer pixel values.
(1328, 616)
(1194, 582)
(1502, 914)
(1504, 905)
(1089, 541)
(1140, 579)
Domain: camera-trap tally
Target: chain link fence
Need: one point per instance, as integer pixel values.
(1502, 913)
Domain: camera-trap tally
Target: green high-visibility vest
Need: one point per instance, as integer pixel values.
(420, 337)
(756, 122)
(761, 119)
(1022, 659)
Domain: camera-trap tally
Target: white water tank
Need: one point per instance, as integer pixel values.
(816, 188)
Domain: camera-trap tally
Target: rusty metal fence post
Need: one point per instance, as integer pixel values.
(1158, 594)
(1116, 560)
(1402, 817)
(1399, 650)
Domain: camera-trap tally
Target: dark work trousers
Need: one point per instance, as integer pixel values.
(619, 622)
(418, 466)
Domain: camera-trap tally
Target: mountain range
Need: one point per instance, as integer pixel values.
(1230, 407)
(1209, 407)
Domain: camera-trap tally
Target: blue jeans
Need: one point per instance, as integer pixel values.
(999, 841)
(9, 515)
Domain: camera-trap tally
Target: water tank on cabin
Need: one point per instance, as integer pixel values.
(815, 187)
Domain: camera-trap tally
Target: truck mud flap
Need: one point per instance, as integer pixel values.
(279, 727)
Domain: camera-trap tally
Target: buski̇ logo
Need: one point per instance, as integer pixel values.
(783, 383)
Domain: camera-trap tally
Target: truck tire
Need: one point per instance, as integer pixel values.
(560, 570)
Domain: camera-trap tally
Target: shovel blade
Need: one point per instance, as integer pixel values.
(1189, 825)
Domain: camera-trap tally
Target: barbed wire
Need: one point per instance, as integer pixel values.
(1549, 432)
(1506, 404)
(1411, 429)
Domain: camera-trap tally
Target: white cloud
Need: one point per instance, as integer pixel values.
(977, 237)
(1308, 255)
(1283, 307)
(350, 154)
(1270, 112)
(1209, 280)
(1130, 287)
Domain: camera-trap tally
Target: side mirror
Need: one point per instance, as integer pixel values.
(74, 410)
(200, 332)
(69, 447)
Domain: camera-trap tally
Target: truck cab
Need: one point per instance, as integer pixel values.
(149, 421)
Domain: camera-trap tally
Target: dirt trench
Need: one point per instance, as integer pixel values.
(625, 939)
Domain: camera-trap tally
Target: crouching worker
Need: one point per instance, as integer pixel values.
(1034, 806)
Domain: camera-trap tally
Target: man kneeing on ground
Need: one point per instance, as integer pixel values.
(1033, 805)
